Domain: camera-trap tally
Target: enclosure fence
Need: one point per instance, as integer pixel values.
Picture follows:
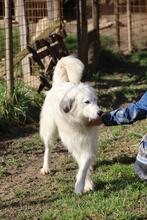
(120, 25)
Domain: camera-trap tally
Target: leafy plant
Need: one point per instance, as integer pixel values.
(24, 106)
(71, 42)
(109, 58)
(140, 57)
(107, 42)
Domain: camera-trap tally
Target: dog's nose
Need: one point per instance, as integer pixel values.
(100, 113)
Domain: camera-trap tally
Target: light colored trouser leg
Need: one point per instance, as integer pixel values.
(84, 165)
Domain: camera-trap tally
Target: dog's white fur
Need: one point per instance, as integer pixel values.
(67, 108)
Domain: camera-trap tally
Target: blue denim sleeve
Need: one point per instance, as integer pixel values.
(130, 114)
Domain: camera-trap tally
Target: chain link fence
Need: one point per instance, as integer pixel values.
(138, 25)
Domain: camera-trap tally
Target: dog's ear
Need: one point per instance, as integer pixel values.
(66, 104)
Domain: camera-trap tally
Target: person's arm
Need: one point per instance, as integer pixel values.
(130, 114)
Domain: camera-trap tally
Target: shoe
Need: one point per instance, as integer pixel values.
(141, 159)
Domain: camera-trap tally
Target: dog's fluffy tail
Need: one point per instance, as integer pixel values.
(68, 69)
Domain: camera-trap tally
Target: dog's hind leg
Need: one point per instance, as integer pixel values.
(84, 164)
(89, 186)
(48, 136)
(46, 159)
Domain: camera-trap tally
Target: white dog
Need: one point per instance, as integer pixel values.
(67, 109)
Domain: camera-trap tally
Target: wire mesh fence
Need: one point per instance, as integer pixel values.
(36, 19)
(138, 24)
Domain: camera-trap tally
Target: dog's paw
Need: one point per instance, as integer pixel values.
(44, 171)
(89, 186)
(79, 188)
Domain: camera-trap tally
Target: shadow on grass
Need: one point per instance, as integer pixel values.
(120, 91)
(128, 67)
(116, 98)
(24, 202)
(123, 159)
(138, 218)
(115, 185)
(110, 62)
(13, 132)
(118, 184)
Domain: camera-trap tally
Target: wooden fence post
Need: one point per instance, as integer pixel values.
(78, 27)
(116, 12)
(21, 18)
(9, 48)
(84, 35)
(129, 25)
(96, 16)
(50, 10)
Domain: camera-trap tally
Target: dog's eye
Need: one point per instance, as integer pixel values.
(87, 102)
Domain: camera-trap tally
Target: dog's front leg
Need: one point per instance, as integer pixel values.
(84, 165)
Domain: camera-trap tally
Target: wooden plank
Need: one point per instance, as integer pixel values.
(129, 25)
(96, 41)
(116, 12)
(23, 53)
(9, 48)
(44, 53)
(92, 36)
(23, 34)
(84, 37)
(50, 9)
(78, 28)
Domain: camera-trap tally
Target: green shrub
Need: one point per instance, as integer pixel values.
(24, 107)
(107, 42)
(71, 42)
(108, 58)
(140, 57)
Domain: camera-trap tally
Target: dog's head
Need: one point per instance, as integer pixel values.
(80, 103)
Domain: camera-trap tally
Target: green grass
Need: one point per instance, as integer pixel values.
(107, 42)
(2, 39)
